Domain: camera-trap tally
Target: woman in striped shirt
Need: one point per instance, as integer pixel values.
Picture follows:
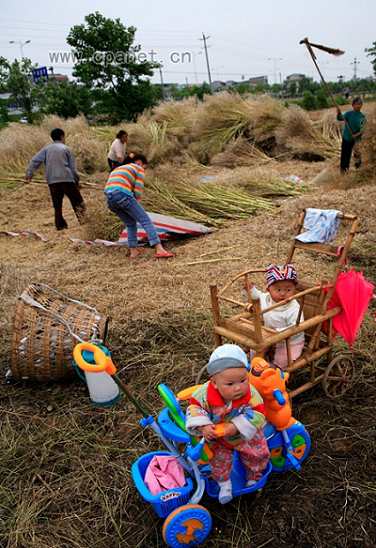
(123, 191)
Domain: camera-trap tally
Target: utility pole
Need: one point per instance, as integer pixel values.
(204, 38)
(162, 85)
(355, 63)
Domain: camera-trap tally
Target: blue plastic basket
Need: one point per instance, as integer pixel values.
(167, 501)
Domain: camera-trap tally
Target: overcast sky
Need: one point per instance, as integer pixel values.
(247, 37)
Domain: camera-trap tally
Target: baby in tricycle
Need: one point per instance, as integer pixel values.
(228, 399)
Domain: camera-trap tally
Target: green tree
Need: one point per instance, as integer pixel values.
(371, 52)
(191, 91)
(321, 99)
(16, 78)
(3, 113)
(309, 101)
(66, 99)
(108, 60)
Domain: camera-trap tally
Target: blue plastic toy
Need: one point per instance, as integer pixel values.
(187, 523)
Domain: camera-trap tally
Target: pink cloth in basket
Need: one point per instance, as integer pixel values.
(164, 472)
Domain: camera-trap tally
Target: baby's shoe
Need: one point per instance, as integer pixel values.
(251, 483)
(225, 491)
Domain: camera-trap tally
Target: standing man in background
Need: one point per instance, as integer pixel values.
(61, 175)
(352, 134)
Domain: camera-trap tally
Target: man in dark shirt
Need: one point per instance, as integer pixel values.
(352, 133)
(61, 175)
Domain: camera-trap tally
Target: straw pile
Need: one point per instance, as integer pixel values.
(19, 142)
(226, 116)
(304, 138)
(369, 141)
(179, 117)
(240, 152)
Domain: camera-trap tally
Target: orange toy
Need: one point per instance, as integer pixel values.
(271, 384)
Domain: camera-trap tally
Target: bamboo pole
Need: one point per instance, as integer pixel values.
(216, 312)
(218, 251)
(222, 259)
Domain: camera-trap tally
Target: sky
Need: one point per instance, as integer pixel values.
(246, 37)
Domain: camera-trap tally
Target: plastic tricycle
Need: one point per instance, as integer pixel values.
(188, 523)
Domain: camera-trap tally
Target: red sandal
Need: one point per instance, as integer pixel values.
(164, 255)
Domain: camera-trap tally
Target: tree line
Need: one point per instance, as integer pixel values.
(121, 89)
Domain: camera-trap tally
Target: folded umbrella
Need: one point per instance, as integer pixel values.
(352, 293)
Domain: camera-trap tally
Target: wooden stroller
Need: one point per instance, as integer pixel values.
(247, 329)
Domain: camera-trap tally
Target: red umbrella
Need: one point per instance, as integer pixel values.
(352, 293)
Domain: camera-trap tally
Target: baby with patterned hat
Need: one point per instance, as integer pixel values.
(229, 398)
(281, 281)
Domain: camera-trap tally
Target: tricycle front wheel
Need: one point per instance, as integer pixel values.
(188, 525)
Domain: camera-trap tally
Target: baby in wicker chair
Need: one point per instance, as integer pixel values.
(281, 282)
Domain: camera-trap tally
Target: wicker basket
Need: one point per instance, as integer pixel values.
(46, 324)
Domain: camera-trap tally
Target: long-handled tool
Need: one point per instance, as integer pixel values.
(332, 51)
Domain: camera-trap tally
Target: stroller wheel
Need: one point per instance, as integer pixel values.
(188, 525)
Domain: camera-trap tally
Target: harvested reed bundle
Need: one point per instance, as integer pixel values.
(299, 134)
(90, 153)
(220, 202)
(223, 117)
(179, 116)
(162, 197)
(267, 115)
(226, 116)
(71, 126)
(259, 182)
(18, 143)
(240, 152)
(369, 140)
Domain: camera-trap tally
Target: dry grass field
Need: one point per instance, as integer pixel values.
(65, 467)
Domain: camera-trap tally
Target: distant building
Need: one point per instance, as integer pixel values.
(257, 80)
(58, 77)
(295, 77)
(218, 85)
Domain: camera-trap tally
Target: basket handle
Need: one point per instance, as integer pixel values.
(102, 362)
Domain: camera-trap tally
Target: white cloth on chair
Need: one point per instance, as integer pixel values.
(321, 226)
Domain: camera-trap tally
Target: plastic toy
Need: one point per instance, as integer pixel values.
(188, 523)
(103, 390)
(271, 385)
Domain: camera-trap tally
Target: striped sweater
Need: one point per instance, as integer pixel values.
(128, 179)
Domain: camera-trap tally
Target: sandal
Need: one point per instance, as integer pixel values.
(164, 255)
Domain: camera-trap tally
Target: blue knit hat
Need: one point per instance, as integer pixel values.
(227, 356)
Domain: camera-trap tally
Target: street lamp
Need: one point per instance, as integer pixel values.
(275, 61)
(21, 44)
